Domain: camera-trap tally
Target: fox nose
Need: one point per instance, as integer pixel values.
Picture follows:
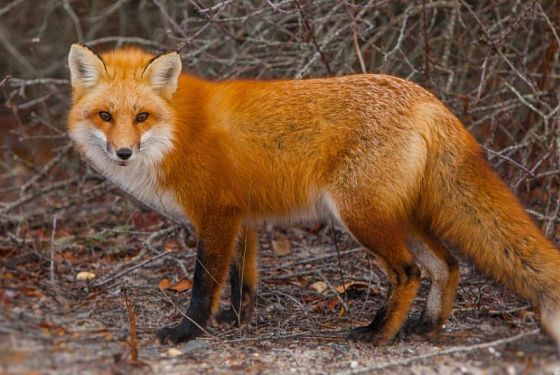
(124, 153)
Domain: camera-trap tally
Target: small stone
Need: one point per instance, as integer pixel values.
(85, 276)
(173, 352)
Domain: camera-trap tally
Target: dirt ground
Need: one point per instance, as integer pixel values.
(67, 326)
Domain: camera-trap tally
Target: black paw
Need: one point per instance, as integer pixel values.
(227, 317)
(367, 334)
(232, 318)
(182, 332)
(421, 328)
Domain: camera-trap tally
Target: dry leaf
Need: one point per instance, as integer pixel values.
(70, 256)
(164, 284)
(50, 329)
(143, 220)
(333, 302)
(181, 285)
(300, 282)
(319, 286)
(350, 284)
(281, 246)
(171, 245)
(85, 276)
(31, 292)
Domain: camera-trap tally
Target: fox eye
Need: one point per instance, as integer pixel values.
(141, 117)
(105, 116)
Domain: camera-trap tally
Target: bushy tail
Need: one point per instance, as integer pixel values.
(465, 203)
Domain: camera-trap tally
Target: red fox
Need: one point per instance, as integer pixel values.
(378, 154)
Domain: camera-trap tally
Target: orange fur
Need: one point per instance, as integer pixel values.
(378, 153)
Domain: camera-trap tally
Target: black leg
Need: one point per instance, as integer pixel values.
(200, 307)
(242, 300)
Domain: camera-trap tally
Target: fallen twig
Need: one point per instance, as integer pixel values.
(53, 234)
(132, 340)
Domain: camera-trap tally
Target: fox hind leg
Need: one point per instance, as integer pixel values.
(388, 242)
(443, 270)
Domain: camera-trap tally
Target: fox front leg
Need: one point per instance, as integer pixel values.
(243, 279)
(215, 249)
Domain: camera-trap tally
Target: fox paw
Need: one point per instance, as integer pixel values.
(422, 328)
(367, 334)
(230, 317)
(227, 317)
(177, 334)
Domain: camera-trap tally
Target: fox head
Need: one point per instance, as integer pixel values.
(121, 112)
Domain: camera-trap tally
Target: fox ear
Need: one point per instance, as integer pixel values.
(163, 72)
(85, 65)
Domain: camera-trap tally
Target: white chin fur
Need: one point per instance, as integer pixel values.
(139, 175)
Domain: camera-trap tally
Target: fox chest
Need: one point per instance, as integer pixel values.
(141, 181)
